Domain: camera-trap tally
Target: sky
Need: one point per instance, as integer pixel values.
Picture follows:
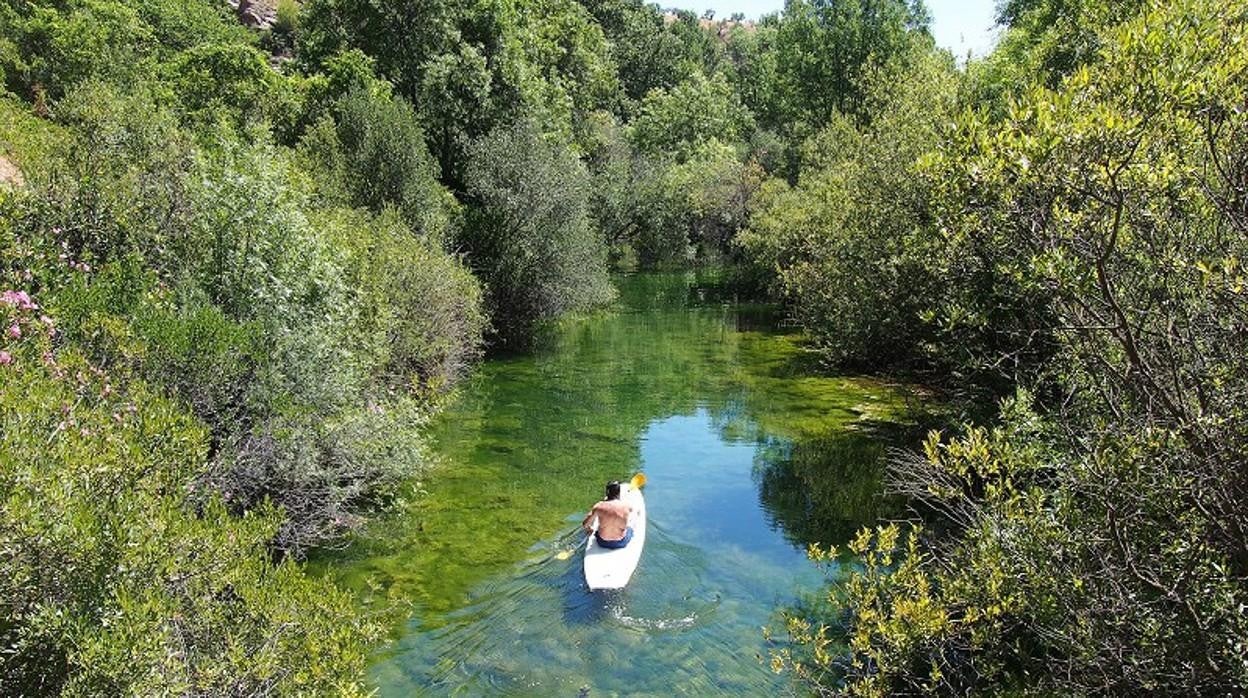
(958, 25)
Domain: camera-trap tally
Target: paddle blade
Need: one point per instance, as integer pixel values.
(638, 481)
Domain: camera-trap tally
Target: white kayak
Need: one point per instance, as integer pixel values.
(607, 568)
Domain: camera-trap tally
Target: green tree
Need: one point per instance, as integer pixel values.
(676, 122)
(700, 41)
(754, 70)
(616, 181)
(444, 56)
(669, 213)
(1045, 38)
(823, 48)
(1060, 35)
(52, 46)
(471, 67)
(230, 81)
(384, 159)
(566, 49)
(714, 188)
(647, 54)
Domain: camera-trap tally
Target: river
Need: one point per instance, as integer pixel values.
(750, 456)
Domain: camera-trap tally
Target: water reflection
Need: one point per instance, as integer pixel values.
(822, 489)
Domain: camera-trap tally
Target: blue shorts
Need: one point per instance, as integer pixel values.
(615, 544)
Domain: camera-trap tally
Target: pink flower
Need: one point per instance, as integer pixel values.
(5, 358)
(18, 299)
(15, 331)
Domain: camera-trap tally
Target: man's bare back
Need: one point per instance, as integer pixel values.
(612, 518)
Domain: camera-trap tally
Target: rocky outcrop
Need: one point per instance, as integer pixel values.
(10, 175)
(257, 14)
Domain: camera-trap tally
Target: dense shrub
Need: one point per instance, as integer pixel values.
(660, 232)
(717, 188)
(670, 212)
(641, 218)
(111, 582)
(49, 48)
(180, 24)
(528, 234)
(195, 267)
(384, 161)
(422, 307)
(27, 141)
(327, 472)
(689, 211)
(613, 192)
(117, 184)
(299, 432)
(232, 82)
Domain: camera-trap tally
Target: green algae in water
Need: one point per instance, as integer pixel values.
(749, 456)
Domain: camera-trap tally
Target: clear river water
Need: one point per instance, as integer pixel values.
(750, 455)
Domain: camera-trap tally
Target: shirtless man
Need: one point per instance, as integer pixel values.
(613, 529)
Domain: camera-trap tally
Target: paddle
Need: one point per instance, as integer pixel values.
(637, 482)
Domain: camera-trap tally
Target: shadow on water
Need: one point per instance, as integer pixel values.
(823, 489)
(750, 456)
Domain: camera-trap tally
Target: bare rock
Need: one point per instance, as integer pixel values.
(10, 175)
(257, 14)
